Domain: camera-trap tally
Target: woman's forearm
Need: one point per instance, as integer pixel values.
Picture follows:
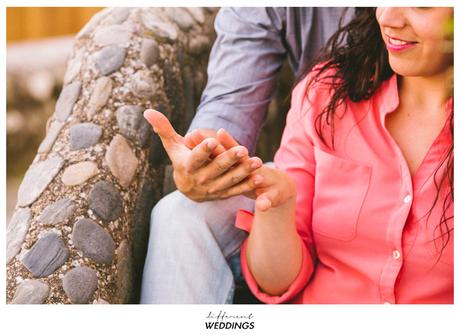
(274, 252)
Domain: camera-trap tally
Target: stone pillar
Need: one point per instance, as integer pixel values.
(81, 222)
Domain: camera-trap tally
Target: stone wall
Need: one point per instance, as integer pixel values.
(80, 226)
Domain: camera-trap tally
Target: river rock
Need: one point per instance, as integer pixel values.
(46, 255)
(133, 125)
(84, 135)
(180, 16)
(16, 231)
(79, 284)
(73, 68)
(117, 15)
(149, 51)
(142, 84)
(37, 178)
(197, 13)
(109, 59)
(31, 291)
(66, 100)
(57, 212)
(100, 95)
(51, 136)
(78, 173)
(121, 160)
(94, 241)
(105, 200)
(94, 22)
(113, 34)
(159, 27)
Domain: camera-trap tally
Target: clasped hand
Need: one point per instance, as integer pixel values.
(210, 165)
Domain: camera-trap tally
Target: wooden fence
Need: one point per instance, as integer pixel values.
(29, 23)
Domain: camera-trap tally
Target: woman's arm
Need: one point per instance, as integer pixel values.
(274, 251)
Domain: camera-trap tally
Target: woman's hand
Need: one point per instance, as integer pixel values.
(274, 188)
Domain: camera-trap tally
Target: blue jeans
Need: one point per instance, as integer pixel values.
(192, 247)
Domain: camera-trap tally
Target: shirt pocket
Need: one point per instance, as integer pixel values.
(341, 186)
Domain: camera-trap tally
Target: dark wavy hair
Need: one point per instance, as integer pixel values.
(344, 53)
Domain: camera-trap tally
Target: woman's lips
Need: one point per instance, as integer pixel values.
(397, 45)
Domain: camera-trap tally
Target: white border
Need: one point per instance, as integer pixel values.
(189, 319)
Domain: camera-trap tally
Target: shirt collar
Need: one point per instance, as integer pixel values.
(388, 97)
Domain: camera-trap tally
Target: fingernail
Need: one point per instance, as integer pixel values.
(212, 145)
(255, 165)
(240, 153)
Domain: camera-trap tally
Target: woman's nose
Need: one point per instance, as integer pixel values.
(392, 17)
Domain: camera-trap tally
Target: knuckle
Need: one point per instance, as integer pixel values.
(220, 165)
(201, 180)
(235, 179)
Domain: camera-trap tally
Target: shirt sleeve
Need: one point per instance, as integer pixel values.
(296, 157)
(242, 72)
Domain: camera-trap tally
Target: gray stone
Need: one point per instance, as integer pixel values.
(57, 212)
(66, 100)
(124, 272)
(133, 125)
(84, 135)
(142, 84)
(100, 95)
(197, 13)
(46, 255)
(149, 51)
(31, 291)
(180, 16)
(121, 160)
(168, 182)
(117, 15)
(109, 59)
(93, 23)
(199, 44)
(94, 241)
(159, 27)
(37, 178)
(105, 200)
(51, 136)
(80, 284)
(78, 173)
(16, 231)
(73, 68)
(101, 301)
(113, 34)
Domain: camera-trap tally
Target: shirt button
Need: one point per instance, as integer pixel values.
(407, 199)
(396, 254)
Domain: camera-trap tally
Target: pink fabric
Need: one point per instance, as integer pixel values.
(359, 212)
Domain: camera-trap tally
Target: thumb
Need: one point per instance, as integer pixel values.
(164, 129)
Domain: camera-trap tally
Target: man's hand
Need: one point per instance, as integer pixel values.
(205, 170)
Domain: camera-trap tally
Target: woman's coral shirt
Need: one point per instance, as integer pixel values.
(362, 217)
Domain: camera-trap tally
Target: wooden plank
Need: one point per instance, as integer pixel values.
(31, 23)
